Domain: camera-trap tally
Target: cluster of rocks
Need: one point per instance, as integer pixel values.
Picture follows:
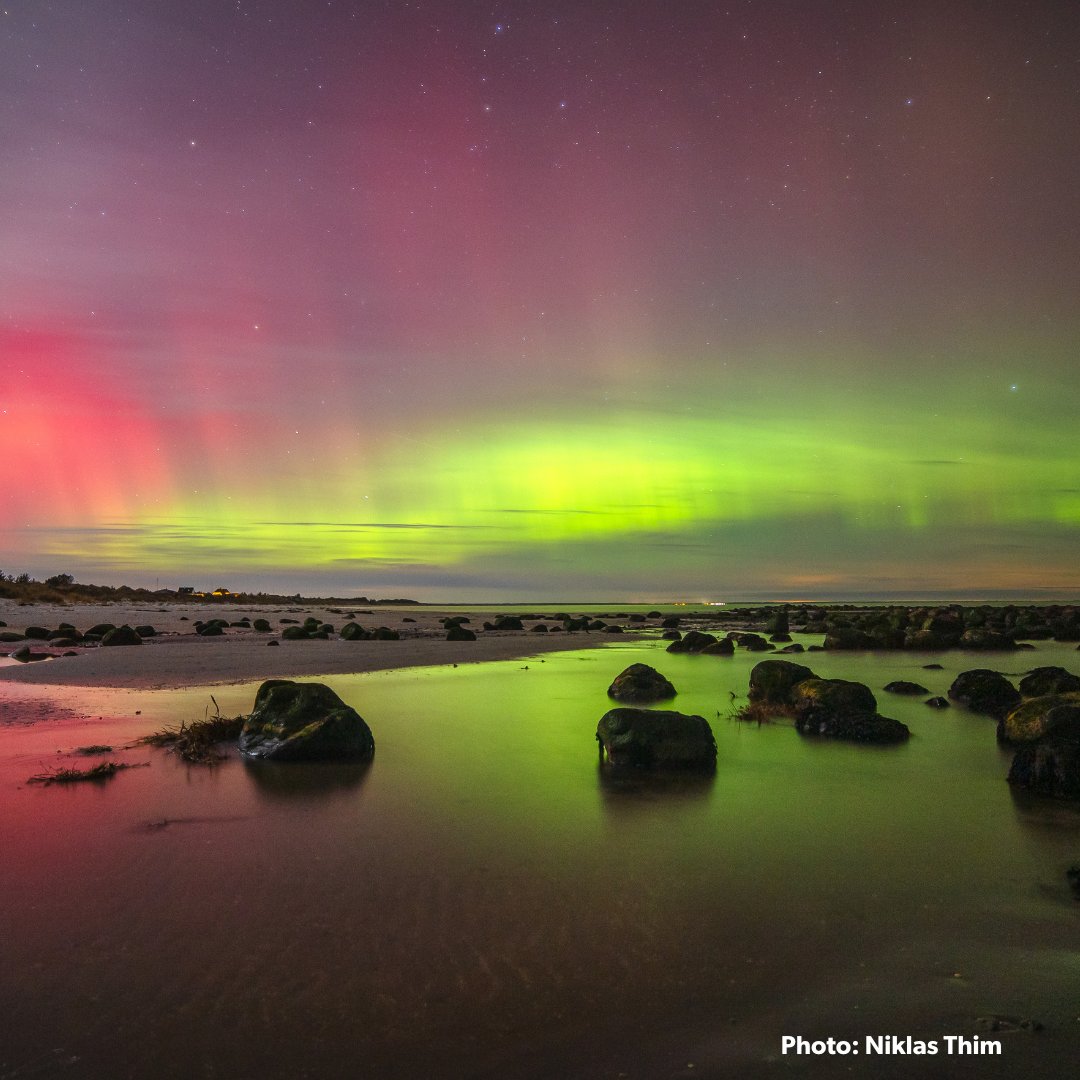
(832, 708)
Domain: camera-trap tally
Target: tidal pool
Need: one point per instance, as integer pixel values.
(485, 901)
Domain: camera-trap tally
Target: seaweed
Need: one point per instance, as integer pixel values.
(197, 741)
(102, 771)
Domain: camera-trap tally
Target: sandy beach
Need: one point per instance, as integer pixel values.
(178, 657)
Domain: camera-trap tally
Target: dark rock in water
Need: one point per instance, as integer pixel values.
(928, 640)
(1073, 876)
(982, 638)
(99, 630)
(304, 722)
(902, 687)
(847, 638)
(1050, 716)
(1048, 768)
(693, 641)
(772, 681)
(294, 633)
(723, 647)
(671, 635)
(856, 727)
(1048, 680)
(383, 633)
(932, 667)
(670, 623)
(984, 691)
(751, 642)
(38, 633)
(539, 628)
(352, 631)
(459, 633)
(25, 656)
(122, 635)
(937, 703)
(838, 709)
(813, 697)
(652, 738)
(778, 624)
(145, 631)
(11, 635)
(508, 622)
(612, 628)
(794, 648)
(261, 626)
(210, 629)
(639, 682)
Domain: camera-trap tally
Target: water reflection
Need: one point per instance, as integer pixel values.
(629, 787)
(304, 780)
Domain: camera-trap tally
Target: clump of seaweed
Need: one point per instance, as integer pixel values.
(197, 741)
(88, 751)
(761, 712)
(102, 771)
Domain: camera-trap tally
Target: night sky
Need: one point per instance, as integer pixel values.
(650, 300)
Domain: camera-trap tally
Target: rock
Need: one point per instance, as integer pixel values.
(723, 647)
(1051, 767)
(693, 641)
(937, 703)
(984, 691)
(122, 635)
(639, 682)
(1048, 680)
(847, 638)
(1073, 876)
(294, 633)
(36, 633)
(612, 628)
(1049, 716)
(304, 722)
(508, 622)
(352, 631)
(927, 640)
(653, 738)
(838, 709)
(983, 638)
(539, 628)
(777, 623)
(261, 626)
(673, 635)
(99, 630)
(459, 633)
(902, 687)
(383, 633)
(772, 681)
(145, 631)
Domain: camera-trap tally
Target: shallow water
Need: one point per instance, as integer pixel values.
(483, 901)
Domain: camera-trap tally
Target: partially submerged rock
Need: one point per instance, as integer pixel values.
(654, 738)
(1048, 680)
(693, 641)
(639, 682)
(984, 691)
(121, 635)
(1051, 767)
(772, 681)
(1049, 716)
(901, 686)
(839, 709)
(295, 721)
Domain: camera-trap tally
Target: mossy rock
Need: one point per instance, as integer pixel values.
(639, 682)
(654, 738)
(1048, 680)
(1049, 716)
(294, 721)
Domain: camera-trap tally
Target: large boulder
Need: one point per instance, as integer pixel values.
(984, 691)
(652, 738)
(1049, 716)
(693, 641)
(295, 721)
(639, 682)
(772, 681)
(839, 709)
(1048, 680)
(848, 637)
(457, 632)
(1048, 768)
